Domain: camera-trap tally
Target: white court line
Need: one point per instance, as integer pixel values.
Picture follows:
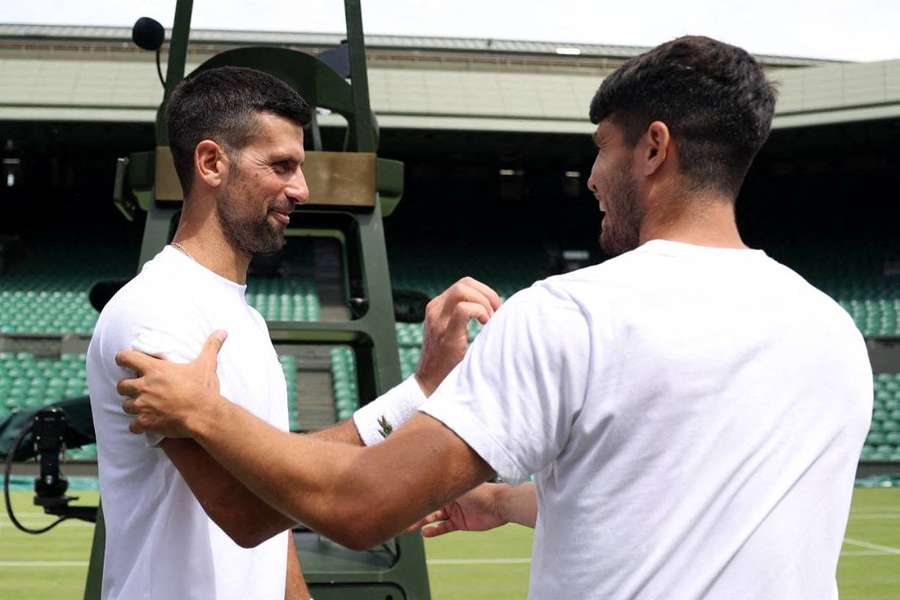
(871, 546)
(24, 513)
(43, 563)
(478, 561)
(879, 510)
(871, 516)
(38, 524)
(864, 553)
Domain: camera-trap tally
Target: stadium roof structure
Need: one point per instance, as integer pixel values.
(79, 73)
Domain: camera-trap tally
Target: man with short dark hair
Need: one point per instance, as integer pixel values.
(178, 525)
(693, 411)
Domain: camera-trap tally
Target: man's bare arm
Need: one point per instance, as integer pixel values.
(224, 499)
(444, 343)
(343, 432)
(357, 496)
(518, 504)
(295, 586)
(354, 495)
(488, 506)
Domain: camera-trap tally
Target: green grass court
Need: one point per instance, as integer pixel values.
(471, 566)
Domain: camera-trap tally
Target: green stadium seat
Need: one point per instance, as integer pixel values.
(875, 438)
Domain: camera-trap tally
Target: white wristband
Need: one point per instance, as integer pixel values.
(394, 407)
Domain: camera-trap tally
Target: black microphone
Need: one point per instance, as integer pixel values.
(148, 33)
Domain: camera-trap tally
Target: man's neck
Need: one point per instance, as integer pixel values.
(203, 241)
(699, 220)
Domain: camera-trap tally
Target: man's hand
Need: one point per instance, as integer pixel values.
(165, 396)
(445, 336)
(477, 510)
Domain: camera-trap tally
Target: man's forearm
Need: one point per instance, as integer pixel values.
(313, 480)
(340, 433)
(518, 504)
(357, 496)
(295, 586)
(225, 500)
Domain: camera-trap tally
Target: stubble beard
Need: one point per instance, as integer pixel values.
(622, 234)
(246, 234)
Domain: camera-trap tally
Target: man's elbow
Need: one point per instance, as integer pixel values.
(360, 526)
(360, 538)
(245, 533)
(249, 539)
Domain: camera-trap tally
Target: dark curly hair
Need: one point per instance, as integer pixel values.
(221, 105)
(714, 98)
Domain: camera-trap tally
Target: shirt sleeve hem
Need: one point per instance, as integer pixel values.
(480, 440)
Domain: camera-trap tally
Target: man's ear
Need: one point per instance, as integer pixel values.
(210, 163)
(656, 147)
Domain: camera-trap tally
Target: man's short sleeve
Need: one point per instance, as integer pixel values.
(123, 334)
(168, 347)
(514, 396)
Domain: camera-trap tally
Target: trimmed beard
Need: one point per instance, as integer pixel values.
(244, 234)
(624, 233)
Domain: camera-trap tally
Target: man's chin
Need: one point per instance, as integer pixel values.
(614, 246)
(274, 244)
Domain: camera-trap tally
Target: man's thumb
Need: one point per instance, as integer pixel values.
(212, 346)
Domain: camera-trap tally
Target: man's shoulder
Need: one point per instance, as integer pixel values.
(806, 298)
(147, 299)
(151, 303)
(583, 286)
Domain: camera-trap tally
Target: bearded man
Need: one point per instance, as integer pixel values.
(177, 524)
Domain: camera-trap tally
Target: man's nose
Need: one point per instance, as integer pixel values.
(297, 189)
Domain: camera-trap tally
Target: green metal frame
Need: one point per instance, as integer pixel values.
(398, 569)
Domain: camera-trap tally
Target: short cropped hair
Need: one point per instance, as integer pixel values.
(713, 97)
(222, 105)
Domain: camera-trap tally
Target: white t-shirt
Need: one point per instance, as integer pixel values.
(160, 544)
(694, 417)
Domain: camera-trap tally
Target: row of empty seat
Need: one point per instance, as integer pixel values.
(27, 382)
(48, 292)
(343, 381)
(283, 299)
(506, 270)
(883, 441)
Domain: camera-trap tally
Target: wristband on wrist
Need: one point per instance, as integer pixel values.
(377, 419)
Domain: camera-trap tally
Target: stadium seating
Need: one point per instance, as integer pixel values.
(343, 381)
(858, 277)
(283, 299)
(883, 441)
(874, 316)
(27, 381)
(48, 292)
(289, 366)
(505, 270)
